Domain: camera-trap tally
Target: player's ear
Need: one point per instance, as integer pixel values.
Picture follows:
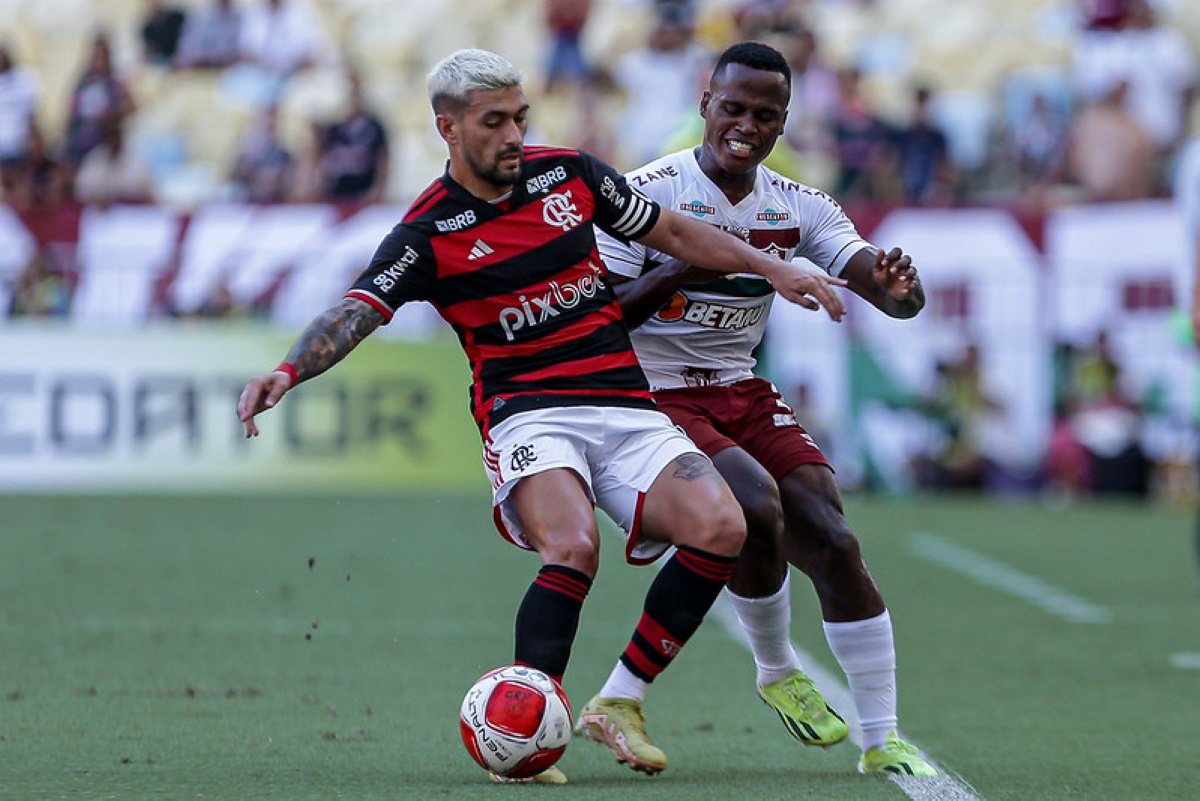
(447, 128)
(704, 100)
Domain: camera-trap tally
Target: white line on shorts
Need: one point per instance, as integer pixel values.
(946, 786)
(999, 576)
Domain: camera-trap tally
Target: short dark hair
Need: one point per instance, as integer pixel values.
(756, 56)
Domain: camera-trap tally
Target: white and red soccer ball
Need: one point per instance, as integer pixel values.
(515, 721)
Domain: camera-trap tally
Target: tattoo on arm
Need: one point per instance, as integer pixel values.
(328, 339)
(693, 466)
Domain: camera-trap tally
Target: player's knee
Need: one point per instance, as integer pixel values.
(764, 516)
(578, 550)
(721, 529)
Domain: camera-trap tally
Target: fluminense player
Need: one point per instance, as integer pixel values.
(503, 246)
(695, 344)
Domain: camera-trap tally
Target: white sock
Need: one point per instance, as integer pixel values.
(623, 684)
(767, 623)
(867, 654)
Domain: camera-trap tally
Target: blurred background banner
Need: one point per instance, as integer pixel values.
(154, 410)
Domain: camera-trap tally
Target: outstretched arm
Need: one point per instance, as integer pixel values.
(695, 242)
(321, 345)
(888, 281)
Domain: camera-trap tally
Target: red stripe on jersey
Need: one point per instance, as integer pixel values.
(575, 367)
(533, 152)
(514, 234)
(583, 327)
(436, 191)
(372, 301)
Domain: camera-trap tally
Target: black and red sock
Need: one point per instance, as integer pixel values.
(549, 617)
(676, 603)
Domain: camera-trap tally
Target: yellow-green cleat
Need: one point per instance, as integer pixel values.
(550, 775)
(895, 756)
(803, 711)
(619, 724)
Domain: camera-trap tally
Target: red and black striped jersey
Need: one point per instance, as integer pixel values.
(522, 283)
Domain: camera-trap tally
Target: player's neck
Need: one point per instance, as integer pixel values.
(735, 186)
(485, 190)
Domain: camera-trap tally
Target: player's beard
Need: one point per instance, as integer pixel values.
(498, 175)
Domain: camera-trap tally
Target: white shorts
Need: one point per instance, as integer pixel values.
(618, 452)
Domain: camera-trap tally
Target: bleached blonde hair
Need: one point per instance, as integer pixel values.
(466, 71)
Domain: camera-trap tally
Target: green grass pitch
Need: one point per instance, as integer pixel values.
(317, 648)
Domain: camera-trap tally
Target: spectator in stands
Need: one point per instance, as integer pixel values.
(861, 141)
(264, 170)
(1127, 44)
(161, 29)
(211, 37)
(565, 23)
(962, 406)
(36, 180)
(41, 291)
(353, 159)
(1111, 157)
(659, 81)
(99, 101)
(814, 102)
(1039, 146)
(113, 173)
(18, 110)
(922, 153)
(281, 37)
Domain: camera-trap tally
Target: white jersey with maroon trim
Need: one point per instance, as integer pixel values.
(706, 333)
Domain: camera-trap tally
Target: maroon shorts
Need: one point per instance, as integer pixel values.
(749, 414)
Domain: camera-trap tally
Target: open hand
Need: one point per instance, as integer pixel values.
(810, 288)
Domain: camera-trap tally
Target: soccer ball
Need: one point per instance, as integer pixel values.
(515, 721)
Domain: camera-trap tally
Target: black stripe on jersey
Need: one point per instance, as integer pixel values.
(612, 339)
(527, 403)
(740, 287)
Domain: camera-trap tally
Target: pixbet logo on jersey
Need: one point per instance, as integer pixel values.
(536, 310)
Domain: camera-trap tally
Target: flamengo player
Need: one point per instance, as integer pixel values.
(503, 246)
(695, 346)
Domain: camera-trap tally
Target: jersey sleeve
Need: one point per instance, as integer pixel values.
(401, 270)
(831, 238)
(621, 210)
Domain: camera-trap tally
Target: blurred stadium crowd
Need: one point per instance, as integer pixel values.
(1027, 105)
(905, 101)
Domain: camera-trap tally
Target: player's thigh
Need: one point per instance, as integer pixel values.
(755, 490)
(690, 504)
(556, 515)
(812, 504)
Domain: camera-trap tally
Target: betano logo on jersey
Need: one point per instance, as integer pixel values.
(536, 310)
(388, 277)
(697, 208)
(559, 210)
(681, 308)
(772, 217)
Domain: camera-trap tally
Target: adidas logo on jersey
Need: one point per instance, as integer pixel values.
(479, 250)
